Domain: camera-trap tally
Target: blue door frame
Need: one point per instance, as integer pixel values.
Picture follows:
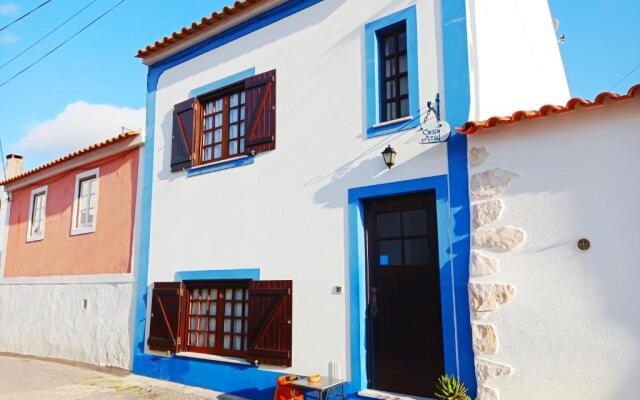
(457, 353)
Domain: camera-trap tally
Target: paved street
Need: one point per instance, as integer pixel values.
(26, 378)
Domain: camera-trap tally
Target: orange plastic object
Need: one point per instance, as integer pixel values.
(285, 390)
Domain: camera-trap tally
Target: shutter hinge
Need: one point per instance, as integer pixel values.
(179, 341)
(181, 291)
(289, 291)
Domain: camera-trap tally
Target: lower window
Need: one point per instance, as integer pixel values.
(235, 318)
(217, 318)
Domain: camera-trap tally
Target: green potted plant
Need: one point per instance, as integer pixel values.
(449, 387)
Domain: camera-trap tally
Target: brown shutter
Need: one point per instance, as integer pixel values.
(260, 93)
(270, 323)
(182, 135)
(166, 306)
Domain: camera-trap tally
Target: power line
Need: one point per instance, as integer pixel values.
(25, 15)
(47, 35)
(625, 77)
(61, 44)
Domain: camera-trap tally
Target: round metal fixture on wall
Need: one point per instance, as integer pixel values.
(583, 244)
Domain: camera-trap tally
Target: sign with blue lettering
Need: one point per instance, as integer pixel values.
(432, 128)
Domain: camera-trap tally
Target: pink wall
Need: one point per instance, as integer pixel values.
(105, 251)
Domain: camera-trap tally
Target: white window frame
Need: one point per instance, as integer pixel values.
(75, 230)
(41, 190)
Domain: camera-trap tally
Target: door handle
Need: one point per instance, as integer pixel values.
(373, 306)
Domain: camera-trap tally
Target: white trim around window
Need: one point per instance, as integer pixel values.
(85, 202)
(37, 214)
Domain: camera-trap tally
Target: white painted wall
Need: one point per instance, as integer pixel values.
(514, 59)
(286, 214)
(571, 331)
(48, 320)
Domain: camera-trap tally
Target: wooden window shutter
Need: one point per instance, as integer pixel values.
(182, 135)
(260, 92)
(270, 323)
(164, 325)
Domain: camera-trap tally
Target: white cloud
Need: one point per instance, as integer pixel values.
(8, 9)
(8, 38)
(79, 125)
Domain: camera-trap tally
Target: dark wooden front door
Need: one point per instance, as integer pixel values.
(404, 322)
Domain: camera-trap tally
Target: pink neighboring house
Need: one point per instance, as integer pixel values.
(75, 215)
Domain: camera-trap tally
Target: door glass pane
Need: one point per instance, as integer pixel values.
(217, 151)
(212, 325)
(234, 99)
(416, 251)
(390, 252)
(212, 340)
(233, 115)
(218, 120)
(389, 225)
(414, 222)
(218, 135)
(219, 104)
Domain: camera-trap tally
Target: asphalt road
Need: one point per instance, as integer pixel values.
(27, 378)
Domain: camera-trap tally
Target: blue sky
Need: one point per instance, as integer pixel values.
(69, 98)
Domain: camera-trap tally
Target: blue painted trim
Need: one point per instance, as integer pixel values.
(258, 22)
(205, 169)
(357, 269)
(213, 274)
(372, 71)
(231, 79)
(457, 103)
(243, 381)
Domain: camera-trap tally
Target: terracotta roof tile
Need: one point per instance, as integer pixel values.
(198, 26)
(70, 156)
(472, 127)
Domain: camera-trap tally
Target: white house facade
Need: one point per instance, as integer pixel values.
(274, 238)
(554, 212)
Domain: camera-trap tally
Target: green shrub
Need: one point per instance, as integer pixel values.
(449, 387)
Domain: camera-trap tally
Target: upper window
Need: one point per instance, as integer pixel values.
(37, 214)
(223, 126)
(392, 87)
(85, 203)
(394, 73)
(234, 120)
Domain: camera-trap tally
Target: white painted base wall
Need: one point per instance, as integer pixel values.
(48, 320)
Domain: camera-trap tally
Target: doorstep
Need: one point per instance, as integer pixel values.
(378, 394)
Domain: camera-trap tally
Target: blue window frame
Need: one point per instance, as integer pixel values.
(400, 31)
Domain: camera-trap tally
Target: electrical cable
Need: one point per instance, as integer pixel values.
(23, 70)
(32, 45)
(625, 77)
(25, 15)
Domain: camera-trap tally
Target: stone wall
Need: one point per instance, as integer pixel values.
(486, 295)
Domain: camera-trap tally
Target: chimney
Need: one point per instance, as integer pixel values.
(13, 165)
